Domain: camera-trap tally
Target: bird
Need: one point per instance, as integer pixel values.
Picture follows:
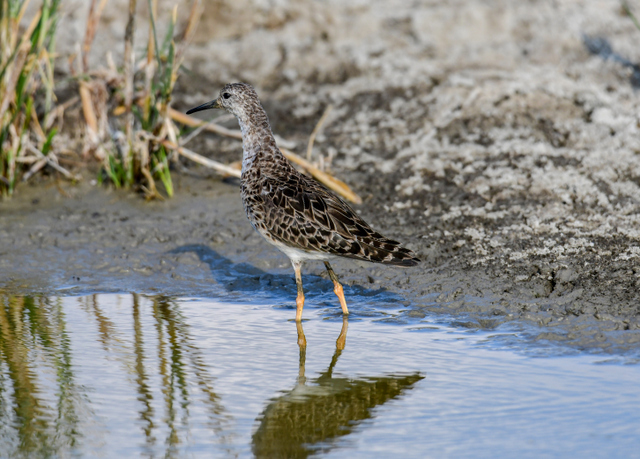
(293, 212)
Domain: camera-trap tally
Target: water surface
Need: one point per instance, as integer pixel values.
(134, 375)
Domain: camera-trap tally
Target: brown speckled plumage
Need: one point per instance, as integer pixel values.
(293, 212)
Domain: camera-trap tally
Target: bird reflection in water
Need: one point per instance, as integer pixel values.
(313, 416)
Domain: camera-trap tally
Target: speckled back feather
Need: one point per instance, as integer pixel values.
(290, 209)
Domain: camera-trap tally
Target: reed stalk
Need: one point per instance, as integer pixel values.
(26, 87)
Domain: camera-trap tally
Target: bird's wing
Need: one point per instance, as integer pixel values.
(299, 212)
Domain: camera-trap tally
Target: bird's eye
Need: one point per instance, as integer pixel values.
(226, 95)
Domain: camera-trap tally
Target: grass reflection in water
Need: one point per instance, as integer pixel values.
(34, 357)
(43, 412)
(127, 375)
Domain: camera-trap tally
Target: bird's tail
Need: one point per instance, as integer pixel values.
(388, 252)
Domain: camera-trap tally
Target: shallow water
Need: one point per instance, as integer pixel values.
(133, 375)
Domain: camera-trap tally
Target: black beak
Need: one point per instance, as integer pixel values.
(207, 106)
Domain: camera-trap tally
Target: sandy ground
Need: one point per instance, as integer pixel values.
(482, 133)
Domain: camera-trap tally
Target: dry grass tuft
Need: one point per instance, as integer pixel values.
(127, 122)
(27, 118)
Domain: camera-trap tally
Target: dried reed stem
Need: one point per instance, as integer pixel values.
(51, 161)
(316, 130)
(327, 180)
(195, 157)
(128, 76)
(87, 107)
(189, 29)
(211, 127)
(90, 31)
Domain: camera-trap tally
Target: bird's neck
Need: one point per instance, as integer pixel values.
(258, 143)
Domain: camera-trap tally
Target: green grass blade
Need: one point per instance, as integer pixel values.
(168, 38)
(164, 173)
(167, 76)
(155, 33)
(46, 148)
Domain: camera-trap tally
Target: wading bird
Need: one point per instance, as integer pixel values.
(293, 212)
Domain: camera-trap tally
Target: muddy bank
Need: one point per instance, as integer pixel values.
(483, 134)
(73, 240)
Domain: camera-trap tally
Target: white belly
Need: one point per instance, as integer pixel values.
(297, 255)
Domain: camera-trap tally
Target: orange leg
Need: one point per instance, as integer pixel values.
(300, 299)
(337, 288)
(302, 341)
(342, 339)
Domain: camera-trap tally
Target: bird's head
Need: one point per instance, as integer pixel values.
(237, 98)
